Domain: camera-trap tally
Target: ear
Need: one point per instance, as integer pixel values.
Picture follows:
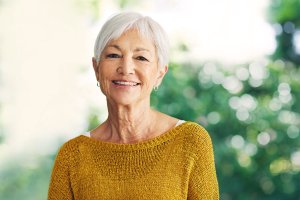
(95, 66)
(161, 73)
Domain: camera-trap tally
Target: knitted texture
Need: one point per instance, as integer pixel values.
(178, 164)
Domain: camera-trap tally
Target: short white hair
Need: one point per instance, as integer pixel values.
(146, 26)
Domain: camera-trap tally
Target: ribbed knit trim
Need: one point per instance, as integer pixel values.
(140, 145)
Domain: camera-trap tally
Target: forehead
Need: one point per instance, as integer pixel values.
(133, 39)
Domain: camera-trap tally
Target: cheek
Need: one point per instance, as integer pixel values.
(104, 80)
(150, 80)
(104, 71)
(152, 76)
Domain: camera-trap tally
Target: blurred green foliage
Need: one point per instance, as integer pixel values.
(26, 179)
(253, 123)
(285, 16)
(251, 112)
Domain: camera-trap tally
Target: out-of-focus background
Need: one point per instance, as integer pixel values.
(235, 69)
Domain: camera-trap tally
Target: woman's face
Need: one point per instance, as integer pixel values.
(128, 69)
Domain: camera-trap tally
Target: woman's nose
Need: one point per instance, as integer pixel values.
(126, 66)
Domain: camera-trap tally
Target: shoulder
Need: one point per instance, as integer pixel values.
(70, 147)
(196, 131)
(196, 139)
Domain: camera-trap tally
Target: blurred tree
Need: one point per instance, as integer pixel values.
(26, 180)
(251, 119)
(252, 113)
(285, 15)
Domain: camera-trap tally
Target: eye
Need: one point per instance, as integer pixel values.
(142, 58)
(112, 55)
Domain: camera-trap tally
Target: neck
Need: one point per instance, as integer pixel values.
(129, 124)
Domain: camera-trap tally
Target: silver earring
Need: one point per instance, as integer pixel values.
(155, 88)
(98, 84)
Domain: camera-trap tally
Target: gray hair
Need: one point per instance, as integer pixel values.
(146, 26)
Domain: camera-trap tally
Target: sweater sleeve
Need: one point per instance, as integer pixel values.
(203, 180)
(60, 184)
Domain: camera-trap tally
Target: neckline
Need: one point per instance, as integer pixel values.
(139, 145)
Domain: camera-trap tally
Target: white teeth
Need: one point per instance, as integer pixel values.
(125, 83)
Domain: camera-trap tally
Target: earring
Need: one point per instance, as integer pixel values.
(155, 88)
(98, 84)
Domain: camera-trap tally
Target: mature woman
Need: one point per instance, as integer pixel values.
(137, 153)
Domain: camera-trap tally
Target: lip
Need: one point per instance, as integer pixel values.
(125, 83)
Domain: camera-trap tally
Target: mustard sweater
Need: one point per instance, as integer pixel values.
(178, 164)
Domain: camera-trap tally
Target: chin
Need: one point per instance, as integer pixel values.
(123, 100)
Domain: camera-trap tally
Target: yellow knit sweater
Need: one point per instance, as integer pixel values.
(178, 164)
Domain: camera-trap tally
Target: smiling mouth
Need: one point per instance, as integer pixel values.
(125, 83)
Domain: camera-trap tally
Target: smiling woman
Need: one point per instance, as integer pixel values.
(137, 153)
(128, 70)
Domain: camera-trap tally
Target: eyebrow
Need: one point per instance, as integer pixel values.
(114, 46)
(141, 49)
(136, 49)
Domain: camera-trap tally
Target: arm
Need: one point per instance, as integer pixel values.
(60, 184)
(203, 180)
